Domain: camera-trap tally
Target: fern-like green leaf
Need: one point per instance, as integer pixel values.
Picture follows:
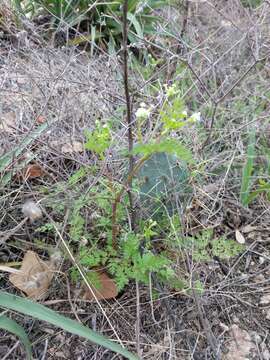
(169, 146)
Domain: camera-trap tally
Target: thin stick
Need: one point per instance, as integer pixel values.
(138, 319)
(5, 235)
(118, 196)
(132, 167)
(212, 342)
(128, 115)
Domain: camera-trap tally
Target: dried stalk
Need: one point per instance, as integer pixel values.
(128, 185)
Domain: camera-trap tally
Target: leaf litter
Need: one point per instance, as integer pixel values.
(102, 289)
(34, 277)
(8, 122)
(240, 346)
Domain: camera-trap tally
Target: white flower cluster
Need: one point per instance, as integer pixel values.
(196, 117)
(142, 113)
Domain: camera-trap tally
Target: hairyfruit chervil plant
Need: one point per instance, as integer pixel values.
(91, 240)
(129, 255)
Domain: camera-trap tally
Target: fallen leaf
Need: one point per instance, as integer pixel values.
(66, 146)
(35, 276)
(75, 146)
(266, 354)
(40, 119)
(32, 171)
(8, 122)
(239, 237)
(226, 23)
(267, 315)
(259, 278)
(106, 288)
(240, 346)
(248, 228)
(265, 299)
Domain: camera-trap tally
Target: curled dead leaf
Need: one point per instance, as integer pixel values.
(265, 299)
(67, 146)
(34, 277)
(32, 171)
(105, 289)
(239, 237)
(8, 122)
(40, 119)
(240, 346)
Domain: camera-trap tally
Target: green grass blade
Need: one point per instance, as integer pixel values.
(16, 329)
(18, 6)
(6, 160)
(248, 170)
(43, 313)
(136, 24)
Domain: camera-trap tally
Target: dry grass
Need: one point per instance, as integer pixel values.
(225, 51)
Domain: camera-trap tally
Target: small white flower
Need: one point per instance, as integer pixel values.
(196, 117)
(184, 113)
(142, 113)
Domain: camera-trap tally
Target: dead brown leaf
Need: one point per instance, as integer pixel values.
(240, 346)
(33, 171)
(67, 146)
(8, 122)
(106, 290)
(35, 276)
(40, 119)
(265, 299)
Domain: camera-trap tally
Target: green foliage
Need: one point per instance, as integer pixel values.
(98, 140)
(48, 227)
(126, 263)
(169, 146)
(43, 313)
(164, 176)
(138, 264)
(204, 247)
(260, 173)
(77, 176)
(248, 170)
(251, 3)
(76, 223)
(103, 18)
(225, 248)
(173, 115)
(263, 187)
(130, 262)
(91, 276)
(163, 182)
(198, 287)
